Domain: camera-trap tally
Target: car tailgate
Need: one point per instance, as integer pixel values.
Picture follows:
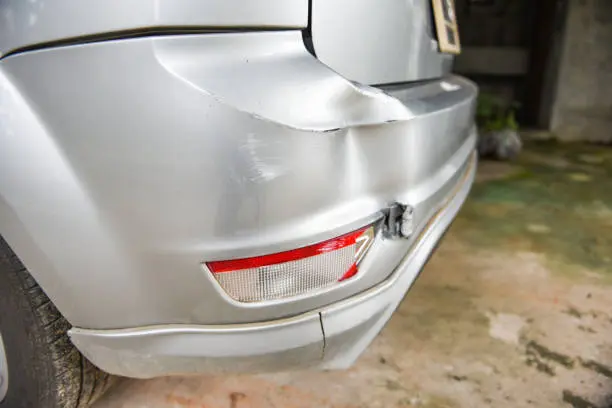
(378, 41)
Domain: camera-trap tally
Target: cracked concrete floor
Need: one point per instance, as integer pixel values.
(514, 310)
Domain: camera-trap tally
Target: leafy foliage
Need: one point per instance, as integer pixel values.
(492, 114)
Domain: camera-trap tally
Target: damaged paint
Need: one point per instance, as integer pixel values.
(313, 98)
(262, 166)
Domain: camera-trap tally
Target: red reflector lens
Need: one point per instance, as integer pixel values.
(350, 273)
(294, 272)
(287, 256)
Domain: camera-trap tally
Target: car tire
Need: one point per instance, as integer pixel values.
(44, 368)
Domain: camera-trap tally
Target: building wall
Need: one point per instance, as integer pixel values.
(582, 104)
(495, 38)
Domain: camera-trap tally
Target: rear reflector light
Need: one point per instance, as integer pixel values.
(294, 272)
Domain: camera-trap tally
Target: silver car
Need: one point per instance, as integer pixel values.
(211, 186)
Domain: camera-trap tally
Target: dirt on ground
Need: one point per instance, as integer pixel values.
(514, 310)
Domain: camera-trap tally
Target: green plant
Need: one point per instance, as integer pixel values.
(493, 114)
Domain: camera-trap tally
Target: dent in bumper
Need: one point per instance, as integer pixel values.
(232, 125)
(180, 349)
(330, 338)
(351, 325)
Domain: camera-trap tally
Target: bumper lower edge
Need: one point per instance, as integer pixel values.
(330, 338)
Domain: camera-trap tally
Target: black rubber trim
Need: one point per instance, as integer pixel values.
(307, 32)
(407, 84)
(138, 33)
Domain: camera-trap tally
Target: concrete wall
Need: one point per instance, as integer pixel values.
(582, 107)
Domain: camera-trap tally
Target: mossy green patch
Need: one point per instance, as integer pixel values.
(548, 209)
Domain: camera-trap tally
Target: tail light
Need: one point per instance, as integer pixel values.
(294, 272)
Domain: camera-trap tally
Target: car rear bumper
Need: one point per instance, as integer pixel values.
(331, 337)
(173, 151)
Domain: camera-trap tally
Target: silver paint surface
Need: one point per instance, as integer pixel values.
(29, 22)
(126, 164)
(274, 346)
(335, 341)
(378, 41)
(368, 41)
(351, 325)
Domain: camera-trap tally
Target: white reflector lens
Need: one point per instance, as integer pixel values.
(295, 272)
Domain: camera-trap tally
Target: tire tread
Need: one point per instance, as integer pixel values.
(79, 382)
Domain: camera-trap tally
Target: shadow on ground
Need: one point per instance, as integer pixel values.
(514, 310)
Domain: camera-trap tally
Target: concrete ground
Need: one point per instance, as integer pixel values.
(514, 310)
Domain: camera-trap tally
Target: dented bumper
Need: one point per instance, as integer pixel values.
(162, 153)
(332, 337)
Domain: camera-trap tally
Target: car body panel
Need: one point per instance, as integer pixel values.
(178, 349)
(352, 324)
(346, 327)
(97, 141)
(378, 41)
(26, 24)
(140, 141)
